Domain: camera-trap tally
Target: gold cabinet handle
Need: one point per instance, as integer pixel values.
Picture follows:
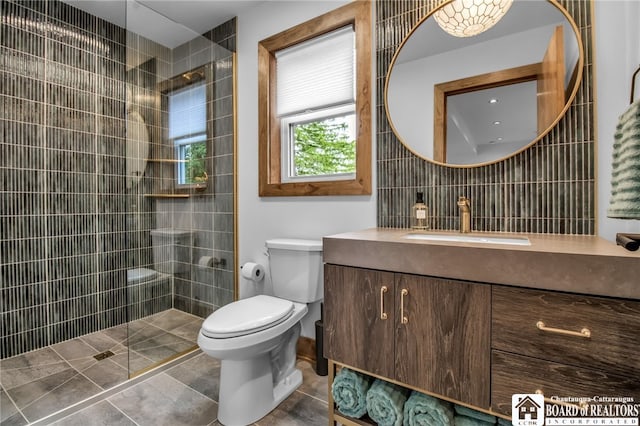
(581, 404)
(383, 314)
(585, 332)
(403, 293)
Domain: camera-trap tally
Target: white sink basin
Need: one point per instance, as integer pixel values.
(465, 238)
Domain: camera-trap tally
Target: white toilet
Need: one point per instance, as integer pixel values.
(255, 338)
(171, 255)
(171, 248)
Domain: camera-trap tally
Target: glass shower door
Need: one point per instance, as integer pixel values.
(180, 157)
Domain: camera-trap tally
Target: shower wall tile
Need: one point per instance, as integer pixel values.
(209, 216)
(60, 75)
(548, 188)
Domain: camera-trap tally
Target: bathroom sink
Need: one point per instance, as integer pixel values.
(464, 238)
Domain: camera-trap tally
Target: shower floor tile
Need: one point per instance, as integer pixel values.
(161, 346)
(36, 384)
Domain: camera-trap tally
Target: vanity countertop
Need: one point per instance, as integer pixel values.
(571, 263)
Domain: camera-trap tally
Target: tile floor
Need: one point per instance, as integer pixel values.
(64, 385)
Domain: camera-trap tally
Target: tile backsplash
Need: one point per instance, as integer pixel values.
(548, 188)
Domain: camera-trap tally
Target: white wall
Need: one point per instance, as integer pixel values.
(617, 48)
(273, 217)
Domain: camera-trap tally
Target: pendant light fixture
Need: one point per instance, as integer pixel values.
(466, 18)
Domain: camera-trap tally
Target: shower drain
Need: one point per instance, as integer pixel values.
(103, 355)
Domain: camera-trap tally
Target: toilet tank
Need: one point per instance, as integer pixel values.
(296, 269)
(171, 250)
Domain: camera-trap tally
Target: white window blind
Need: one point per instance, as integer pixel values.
(188, 111)
(317, 73)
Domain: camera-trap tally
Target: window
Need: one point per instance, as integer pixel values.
(314, 106)
(319, 145)
(187, 110)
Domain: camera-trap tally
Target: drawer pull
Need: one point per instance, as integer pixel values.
(582, 404)
(403, 293)
(585, 332)
(383, 314)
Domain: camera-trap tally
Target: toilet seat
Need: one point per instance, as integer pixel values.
(247, 316)
(139, 275)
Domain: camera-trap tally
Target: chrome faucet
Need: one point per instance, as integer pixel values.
(465, 214)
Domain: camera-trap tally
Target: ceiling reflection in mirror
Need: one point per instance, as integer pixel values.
(476, 100)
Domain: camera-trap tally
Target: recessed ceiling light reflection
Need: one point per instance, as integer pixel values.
(497, 122)
(493, 101)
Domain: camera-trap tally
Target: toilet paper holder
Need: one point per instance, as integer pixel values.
(212, 262)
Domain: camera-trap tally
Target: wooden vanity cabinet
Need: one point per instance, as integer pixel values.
(562, 344)
(561, 316)
(428, 333)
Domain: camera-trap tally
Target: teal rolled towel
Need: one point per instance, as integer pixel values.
(385, 402)
(469, 421)
(474, 414)
(504, 422)
(425, 410)
(349, 391)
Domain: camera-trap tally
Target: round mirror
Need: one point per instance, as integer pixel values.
(468, 101)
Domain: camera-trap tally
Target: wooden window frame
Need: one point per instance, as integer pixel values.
(357, 13)
(490, 80)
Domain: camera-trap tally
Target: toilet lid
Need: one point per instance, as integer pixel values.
(139, 275)
(247, 316)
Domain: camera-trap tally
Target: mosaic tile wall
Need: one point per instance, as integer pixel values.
(70, 223)
(61, 107)
(145, 297)
(202, 289)
(549, 188)
(207, 214)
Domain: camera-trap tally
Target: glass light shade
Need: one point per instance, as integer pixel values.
(466, 18)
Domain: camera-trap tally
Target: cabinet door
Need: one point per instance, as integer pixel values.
(444, 346)
(354, 332)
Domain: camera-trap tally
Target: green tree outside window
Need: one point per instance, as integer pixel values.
(324, 148)
(195, 167)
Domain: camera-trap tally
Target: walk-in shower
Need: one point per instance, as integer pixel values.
(117, 175)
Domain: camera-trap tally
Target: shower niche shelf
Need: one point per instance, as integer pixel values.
(167, 195)
(164, 160)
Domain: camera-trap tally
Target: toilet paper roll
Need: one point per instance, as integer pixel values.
(206, 261)
(253, 271)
